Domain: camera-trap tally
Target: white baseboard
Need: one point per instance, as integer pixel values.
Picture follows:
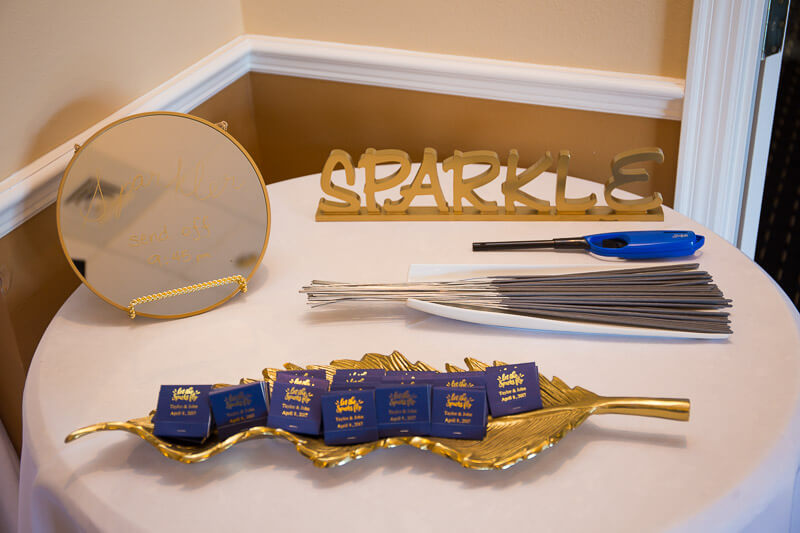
(32, 188)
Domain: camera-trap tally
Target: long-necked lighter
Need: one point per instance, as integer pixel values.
(624, 244)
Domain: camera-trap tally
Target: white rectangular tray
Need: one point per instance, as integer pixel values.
(423, 272)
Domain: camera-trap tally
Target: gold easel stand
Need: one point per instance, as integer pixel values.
(186, 290)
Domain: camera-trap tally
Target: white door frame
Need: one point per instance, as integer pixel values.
(759, 154)
(718, 109)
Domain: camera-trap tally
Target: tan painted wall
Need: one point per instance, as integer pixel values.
(300, 121)
(640, 36)
(66, 65)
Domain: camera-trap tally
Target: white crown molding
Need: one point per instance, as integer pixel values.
(572, 88)
(721, 83)
(34, 187)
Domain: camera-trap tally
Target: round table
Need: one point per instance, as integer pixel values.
(733, 466)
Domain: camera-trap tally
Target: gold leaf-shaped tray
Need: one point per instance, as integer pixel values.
(509, 439)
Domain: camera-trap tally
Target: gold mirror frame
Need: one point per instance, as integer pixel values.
(80, 148)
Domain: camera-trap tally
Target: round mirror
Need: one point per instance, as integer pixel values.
(160, 201)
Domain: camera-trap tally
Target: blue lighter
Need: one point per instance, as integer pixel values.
(624, 244)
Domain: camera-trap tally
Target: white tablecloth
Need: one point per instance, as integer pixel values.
(732, 467)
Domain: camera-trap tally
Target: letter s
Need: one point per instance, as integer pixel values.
(351, 201)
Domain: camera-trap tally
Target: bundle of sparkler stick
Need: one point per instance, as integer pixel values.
(674, 297)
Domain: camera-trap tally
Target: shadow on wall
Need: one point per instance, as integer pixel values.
(41, 278)
(71, 120)
(234, 105)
